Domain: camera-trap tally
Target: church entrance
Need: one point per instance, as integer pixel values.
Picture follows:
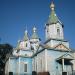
(66, 65)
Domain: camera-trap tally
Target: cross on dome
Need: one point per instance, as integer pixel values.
(34, 29)
(52, 6)
(26, 35)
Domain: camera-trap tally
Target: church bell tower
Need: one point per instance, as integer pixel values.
(54, 30)
(53, 27)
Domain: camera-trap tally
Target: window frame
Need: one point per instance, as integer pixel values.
(26, 45)
(26, 68)
(58, 31)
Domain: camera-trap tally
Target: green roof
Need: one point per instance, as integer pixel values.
(52, 18)
(17, 47)
(34, 35)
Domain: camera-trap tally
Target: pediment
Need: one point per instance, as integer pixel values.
(66, 56)
(61, 47)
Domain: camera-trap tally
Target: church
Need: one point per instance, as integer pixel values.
(53, 56)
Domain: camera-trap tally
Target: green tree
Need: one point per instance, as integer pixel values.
(5, 52)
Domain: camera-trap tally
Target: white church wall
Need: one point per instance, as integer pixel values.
(35, 63)
(26, 53)
(53, 66)
(41, 62)
(38, 62)
(24, 61)
(53, 43)
(51, 31)
(33, 67)
(74, 61)
(66, 44)
(25, 45)
(12, 61)
(7, 68)
(59, 26)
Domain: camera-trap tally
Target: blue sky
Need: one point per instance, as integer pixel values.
(15, 15)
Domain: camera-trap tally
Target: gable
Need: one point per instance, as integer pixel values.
(68, 56)
(61, 47)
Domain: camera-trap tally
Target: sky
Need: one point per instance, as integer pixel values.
(17, 15)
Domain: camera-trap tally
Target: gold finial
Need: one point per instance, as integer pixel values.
(52, 6)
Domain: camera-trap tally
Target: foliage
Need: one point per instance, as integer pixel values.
(5, 52)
